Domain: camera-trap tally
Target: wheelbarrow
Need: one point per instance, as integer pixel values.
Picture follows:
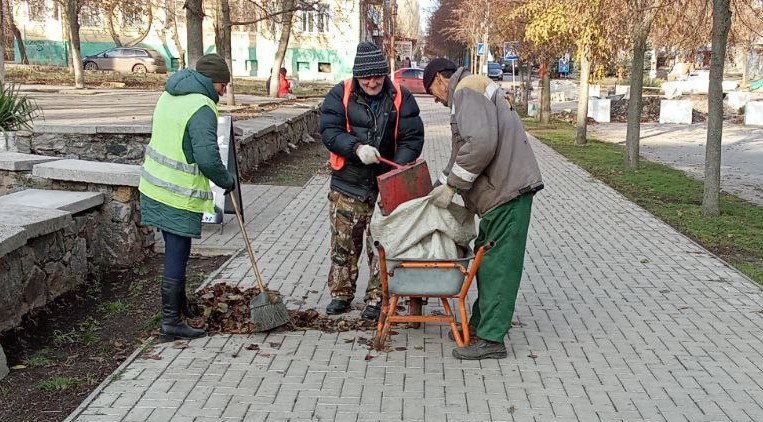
(426, 278)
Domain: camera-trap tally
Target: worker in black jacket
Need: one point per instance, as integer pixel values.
(362, 119)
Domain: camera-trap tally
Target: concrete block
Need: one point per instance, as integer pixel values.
(675, 111)
(124, 129)
(533, 109)
(753, 113)
(600, 109)
(65, 129)
(16, 161)
(256, 127)
(594, 91)
(11, 238)
(3, 364)
(36, 221)
(72, 202)
(737, 99)
(90, 172)
(623, 89)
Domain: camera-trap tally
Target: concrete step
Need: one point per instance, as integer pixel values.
(16, 161)
(73, 202)
(89, 172)
(35, 221)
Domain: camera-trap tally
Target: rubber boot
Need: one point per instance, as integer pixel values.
(185, 307)
(173, 327)
(414, 308)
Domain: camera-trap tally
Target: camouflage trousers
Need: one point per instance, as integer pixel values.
(350, 224)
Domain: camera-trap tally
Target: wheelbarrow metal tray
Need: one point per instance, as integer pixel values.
(426, 281)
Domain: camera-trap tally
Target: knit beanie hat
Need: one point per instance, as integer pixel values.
(214, 67)
(434, 67)
(369, 61)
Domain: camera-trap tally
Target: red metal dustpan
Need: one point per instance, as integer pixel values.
(402, 184)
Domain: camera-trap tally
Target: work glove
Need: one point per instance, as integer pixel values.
(367, 154)
(442, 196)
(232, 186)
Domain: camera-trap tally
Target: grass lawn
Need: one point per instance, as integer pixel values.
(736, 235)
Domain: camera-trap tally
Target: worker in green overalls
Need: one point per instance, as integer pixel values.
(494, 170)
(181, 159)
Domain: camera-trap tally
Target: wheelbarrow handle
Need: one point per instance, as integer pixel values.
(390, 163)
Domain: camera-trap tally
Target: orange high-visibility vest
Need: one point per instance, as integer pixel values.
(337, 161)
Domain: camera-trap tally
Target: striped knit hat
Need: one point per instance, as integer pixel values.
(369, 61)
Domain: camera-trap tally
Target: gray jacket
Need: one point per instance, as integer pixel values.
(491, 160)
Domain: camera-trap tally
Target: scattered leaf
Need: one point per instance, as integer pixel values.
(153, 357)
(180, 344)
(401, 349)
(235, 355)
(18, 367)
(263, 354)
(517, 324)
(682, 307)
(419, 347)
(369, 357)
(274, 345)
(349, 340)
(663, 291)
(253, 346)
(532, 355)
(512, 409)
(645, 261)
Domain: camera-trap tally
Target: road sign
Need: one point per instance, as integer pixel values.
(511, 50)
(480, 48)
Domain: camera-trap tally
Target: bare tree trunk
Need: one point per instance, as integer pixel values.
(225, 28)
(283, 43)
(2, 48)
(110, 24)
(194, 30)
(721, 25)
(745, 65)
(585, 73)
(635, 103)
(172, 10)
(16, 33)
(72, 16)
(529, 86)
(7, 33)
(545, 96)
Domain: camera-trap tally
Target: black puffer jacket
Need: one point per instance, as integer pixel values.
(377, 129)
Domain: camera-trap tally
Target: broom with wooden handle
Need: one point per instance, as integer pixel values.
(267, 309)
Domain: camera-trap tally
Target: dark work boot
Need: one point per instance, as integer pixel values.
(173, 327)
(338, 306)
(415, 305)
(185, 307)
(481, 349)
(371, 311)
(472, 333)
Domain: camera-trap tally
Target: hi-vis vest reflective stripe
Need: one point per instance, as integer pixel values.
(166, 177)
(336, 160)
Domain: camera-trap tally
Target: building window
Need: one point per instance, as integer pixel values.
(250, 65)
(303, 66)
(38, 10)
(90, 16)
(324, 67)
(133, 16)
(315, 21)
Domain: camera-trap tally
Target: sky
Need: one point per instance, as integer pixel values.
(425, 9)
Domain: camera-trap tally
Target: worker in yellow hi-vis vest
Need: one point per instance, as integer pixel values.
(181, 159)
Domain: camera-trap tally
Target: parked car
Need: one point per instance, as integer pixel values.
(411, 78)
(127, 59)
(494, 71)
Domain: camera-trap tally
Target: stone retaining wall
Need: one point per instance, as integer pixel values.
(125, 144)
(124, 241)
(50, 265)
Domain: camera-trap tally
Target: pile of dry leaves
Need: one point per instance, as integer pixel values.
(225, 309)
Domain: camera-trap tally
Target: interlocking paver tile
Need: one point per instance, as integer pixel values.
(619, 318)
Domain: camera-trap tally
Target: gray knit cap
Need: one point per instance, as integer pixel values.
(369, 61)
(214, 67)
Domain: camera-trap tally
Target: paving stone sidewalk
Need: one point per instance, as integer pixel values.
(619, 318)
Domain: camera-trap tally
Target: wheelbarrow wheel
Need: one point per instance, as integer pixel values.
(414, 308)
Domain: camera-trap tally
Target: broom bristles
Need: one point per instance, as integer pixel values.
(268, 314)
